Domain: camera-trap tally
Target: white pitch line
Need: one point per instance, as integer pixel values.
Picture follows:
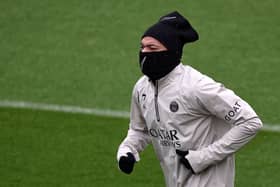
(63, 108)
(271, 128)
(90, 111)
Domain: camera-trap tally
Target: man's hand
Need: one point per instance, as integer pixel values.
(126, 163)
(183, 159)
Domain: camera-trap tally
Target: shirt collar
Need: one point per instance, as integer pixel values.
(172, 76)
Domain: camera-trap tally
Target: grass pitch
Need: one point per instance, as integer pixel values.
(58, 149)
(85, 53)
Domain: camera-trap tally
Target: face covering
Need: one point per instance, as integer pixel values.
(158, 64)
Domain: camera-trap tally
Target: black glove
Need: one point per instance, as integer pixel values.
(183, 159)
(126, 163)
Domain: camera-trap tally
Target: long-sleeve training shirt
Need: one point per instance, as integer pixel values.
(187, 110)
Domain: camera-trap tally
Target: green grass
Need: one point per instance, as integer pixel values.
(86, 52)
(58, 149)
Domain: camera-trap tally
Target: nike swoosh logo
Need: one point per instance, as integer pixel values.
(142, 62)
(168, 18)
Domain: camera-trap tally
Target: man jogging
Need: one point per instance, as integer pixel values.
(194, 123)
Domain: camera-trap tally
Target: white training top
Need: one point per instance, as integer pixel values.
(187, 110)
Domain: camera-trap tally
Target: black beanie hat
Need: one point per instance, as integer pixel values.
(173, 31)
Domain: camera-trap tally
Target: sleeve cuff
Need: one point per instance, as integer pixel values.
(195, 161)
(122, 152)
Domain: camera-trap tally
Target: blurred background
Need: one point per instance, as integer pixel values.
(85, 54)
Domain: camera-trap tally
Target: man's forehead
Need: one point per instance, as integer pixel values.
(150, 40)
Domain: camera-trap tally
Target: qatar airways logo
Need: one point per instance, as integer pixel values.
(166, 138)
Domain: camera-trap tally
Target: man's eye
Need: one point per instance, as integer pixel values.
(154, 48)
